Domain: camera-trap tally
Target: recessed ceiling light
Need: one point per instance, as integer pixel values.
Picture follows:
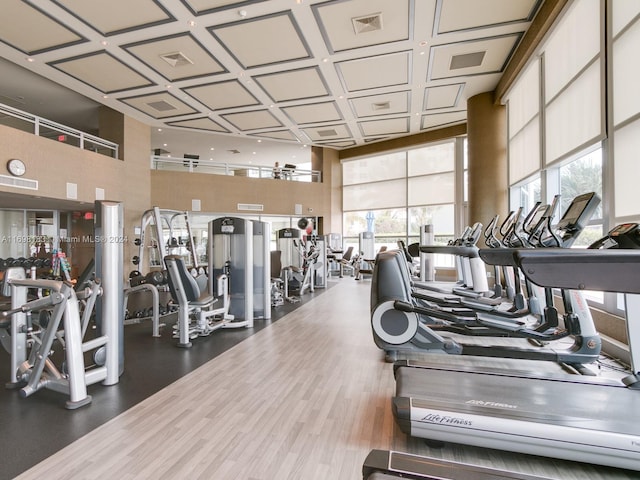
(159, 129)
(105, 96)
(104, 43)
(29, 59)
(191, 23)
(164, 144)
(212, 149)
(259, 140)
(423, 43)
(168, 86)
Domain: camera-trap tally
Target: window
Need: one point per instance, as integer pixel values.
(393, 195)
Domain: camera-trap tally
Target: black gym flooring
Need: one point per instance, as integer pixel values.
(33, 428)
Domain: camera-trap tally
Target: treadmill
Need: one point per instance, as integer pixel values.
(572, 417)
(383, 465)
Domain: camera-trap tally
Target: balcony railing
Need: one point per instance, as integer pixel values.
(237, 170)
(12, 117)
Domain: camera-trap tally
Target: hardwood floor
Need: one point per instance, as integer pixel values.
(306, 398)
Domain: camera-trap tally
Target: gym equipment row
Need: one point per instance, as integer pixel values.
(60, 314)
(426, 314)
(521, 411)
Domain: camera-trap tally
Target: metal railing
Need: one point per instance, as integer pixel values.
(12, 117)
(238, 170)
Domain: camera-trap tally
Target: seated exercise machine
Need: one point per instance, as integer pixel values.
(196, 315)
(571, 417)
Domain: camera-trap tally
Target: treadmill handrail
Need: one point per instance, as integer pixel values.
(587, 269)
(460, 250)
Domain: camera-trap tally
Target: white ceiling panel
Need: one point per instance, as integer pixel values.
(117, 15)
(263, 41)
(159, 105)
(293, 84)
(176, 58)
(277, 135)
(442, 119)
(493, 54)
(44, 32)
(445, 96)
(207, 6)
(480, 14)
(327, 133)
(383, 104)
(313, 113)
(102, 71)
(387, 126)
(347, 25)
(203, 123)
(375, 72)
(254, 120)
(223, 95)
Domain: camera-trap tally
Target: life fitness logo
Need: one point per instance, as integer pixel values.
(438, 419)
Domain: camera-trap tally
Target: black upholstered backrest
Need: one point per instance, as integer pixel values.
(181, 279)
(276, 263)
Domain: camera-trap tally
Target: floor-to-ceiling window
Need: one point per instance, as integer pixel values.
(574, 118)
(394, 194)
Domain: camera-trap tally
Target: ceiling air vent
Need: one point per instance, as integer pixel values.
(176, 59)
(161, 106)
(234, 151)
(18, 182)
(327, 133)
(466, 60)
(368, 23)
(381, 106)
(254, 207)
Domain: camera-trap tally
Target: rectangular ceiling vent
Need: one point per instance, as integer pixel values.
(381, 106)
(18, 182)
(176, 59)
(466, 60)
(253, 207)
(368, 23)
(327, 133)
(161, 106)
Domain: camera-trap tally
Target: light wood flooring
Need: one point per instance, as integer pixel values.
(306, 398)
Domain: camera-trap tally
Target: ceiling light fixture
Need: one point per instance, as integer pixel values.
(191, 23)
(31, 60)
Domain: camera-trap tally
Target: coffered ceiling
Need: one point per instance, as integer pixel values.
(336, 73)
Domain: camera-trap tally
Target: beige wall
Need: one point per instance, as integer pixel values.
(54, 164)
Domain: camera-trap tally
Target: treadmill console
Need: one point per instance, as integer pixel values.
(625, 235)
(576, 217)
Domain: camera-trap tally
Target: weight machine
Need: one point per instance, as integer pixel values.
(31, 342)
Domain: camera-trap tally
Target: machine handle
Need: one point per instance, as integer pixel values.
(53, 299)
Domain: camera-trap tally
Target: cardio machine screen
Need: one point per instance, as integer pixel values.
(576, 210)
